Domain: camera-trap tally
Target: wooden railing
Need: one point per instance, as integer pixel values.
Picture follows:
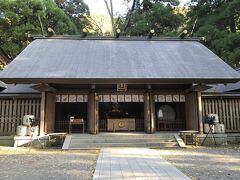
(168, 125)
(63, 126)
(227, 109)
(102, 125)
(12, 112)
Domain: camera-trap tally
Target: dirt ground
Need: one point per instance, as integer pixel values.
(47, 164)
(221, 163)
(206, 162)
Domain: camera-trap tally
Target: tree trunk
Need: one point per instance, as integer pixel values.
(110, 12)
(232, 24)
(130, 14)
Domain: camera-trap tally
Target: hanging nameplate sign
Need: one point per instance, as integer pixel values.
(106, 98)
(135, 98)
(79, 98)
(175, 98)
(182, 98)
(85, 98)
(169, 98)
(121, 98)
(113, 98)
(122, 87)
(72, 98)
(64, 98)
(100, 98)
(128, 98)
(161, 98)
(58, 98)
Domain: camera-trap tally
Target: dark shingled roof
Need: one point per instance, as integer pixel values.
(53, 60)
(230, 87)
(19, 88)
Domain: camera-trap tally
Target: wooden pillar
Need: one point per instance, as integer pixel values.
(200, 118)
(50, 112)
(149, 113)
(42, 113)
(192, 111)
(93, 116)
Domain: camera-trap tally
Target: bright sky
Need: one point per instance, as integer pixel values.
(98, 6)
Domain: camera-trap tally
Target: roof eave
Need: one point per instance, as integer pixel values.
(118, 80)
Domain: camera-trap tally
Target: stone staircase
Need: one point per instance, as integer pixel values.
(88, 141)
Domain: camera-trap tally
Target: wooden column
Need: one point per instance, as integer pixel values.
(149, 113)
(93, 116)
(192, 114)
(200, 117)
(42, 113)
(50, 112)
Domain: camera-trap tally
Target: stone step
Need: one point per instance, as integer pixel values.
(122, 137)
(82, 141)
(89, 141)
(100, 145)
(122, 134)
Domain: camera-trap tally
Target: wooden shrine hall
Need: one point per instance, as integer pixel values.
(124, 84)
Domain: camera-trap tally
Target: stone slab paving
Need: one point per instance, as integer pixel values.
(134, 163)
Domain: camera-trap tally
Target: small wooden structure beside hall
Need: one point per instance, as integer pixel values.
(160, 84)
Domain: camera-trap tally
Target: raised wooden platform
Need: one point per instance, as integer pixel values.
(133, 139)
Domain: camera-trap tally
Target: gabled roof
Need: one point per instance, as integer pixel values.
(2, 86)
(81, 61)
(18, 89)
(230, 87)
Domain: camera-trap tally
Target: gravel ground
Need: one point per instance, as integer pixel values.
(47, 164)
(206, 162)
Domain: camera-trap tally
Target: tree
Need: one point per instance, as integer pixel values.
(148, 14)
(100, 24)
(77, 11)
(20, 18)
(109, 6)
(219, 22)
(57, 19)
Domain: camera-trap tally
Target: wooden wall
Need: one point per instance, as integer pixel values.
(12, 111)
(50, 113)
(228, 110)
(191, 108)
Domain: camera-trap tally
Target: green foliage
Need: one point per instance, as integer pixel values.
(154, 15)
(210, 120)
(219, 22)
(18, 18)
(77, 11)
(57, 19)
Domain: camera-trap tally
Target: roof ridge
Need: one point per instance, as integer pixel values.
(121, 38)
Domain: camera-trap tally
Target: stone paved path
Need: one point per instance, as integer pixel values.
(134, 163)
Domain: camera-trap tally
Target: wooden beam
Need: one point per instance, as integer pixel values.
(152, 107)
(149, 113)
(43, 87)
(200, 117)
(50, 112)
(192, 117)
(197, 88)
(93, 113)
(42, 113)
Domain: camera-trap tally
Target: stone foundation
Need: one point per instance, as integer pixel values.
(221, 139)
(6, 141)
(21, 141)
